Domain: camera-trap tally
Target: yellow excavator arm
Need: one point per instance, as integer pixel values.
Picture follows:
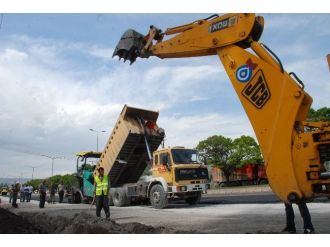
(295, 151)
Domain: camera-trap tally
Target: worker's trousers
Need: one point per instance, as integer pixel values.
(27, 196)
(42, 199)
(22, 197)
(102, 202)
(61, 194)
(303, 212)
(14, 204)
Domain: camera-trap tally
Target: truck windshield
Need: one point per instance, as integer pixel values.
(185, 156)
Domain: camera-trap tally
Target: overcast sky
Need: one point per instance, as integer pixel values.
(58, 80)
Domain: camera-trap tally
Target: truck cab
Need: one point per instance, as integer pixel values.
(182, 173)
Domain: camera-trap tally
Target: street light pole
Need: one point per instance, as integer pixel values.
(53, 158)
(33, 167)
(97, 137)
(53, 166)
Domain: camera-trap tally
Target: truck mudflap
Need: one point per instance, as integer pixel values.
(188, 188)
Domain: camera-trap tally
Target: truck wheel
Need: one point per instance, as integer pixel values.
(119, 198)
(194, 200)
(158, 197)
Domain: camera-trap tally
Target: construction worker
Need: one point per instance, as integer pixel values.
(52, 193)
(304, 212)
(26, 193)
(30, 192)
(16, 189)
(22, 194)
(42, 193)
(60, 189)
(11, 189)
(101, 191)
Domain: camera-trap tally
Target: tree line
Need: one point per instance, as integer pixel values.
(67, 180)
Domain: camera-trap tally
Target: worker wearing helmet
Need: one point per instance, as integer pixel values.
(102, 184)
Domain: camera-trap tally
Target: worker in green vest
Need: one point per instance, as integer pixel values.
(102, 184)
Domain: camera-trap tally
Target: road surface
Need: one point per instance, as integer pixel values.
(234, 213)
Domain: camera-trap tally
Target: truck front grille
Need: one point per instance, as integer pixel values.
(191, 174)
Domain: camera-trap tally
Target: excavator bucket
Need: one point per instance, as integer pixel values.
(130, 45)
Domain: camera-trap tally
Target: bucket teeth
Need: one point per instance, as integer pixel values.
(129, 47)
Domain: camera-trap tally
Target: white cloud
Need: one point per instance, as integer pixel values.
(103, 53)
(46, 107)
(189, 130)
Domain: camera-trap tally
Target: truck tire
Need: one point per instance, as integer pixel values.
(194, 200)
(158, 196)
(119, 198)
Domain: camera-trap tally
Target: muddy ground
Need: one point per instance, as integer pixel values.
(82, 223)
(12, 223)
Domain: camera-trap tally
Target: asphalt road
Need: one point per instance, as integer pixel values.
(234, 198)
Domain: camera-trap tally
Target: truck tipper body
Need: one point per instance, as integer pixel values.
(132, 147)
(126, 154)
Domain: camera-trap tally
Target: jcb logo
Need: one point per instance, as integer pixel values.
(256, 91)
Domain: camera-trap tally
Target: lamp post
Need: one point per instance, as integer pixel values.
(97, 137)
(33, 167)
(53, 158)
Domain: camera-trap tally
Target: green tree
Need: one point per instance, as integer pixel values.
(218, 150)
(67, 180)
(322, 114)
(228, 154)
(246, 150)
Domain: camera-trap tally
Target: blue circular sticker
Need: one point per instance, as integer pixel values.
(243, 73)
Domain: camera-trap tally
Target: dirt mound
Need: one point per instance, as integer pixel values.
(12, 223)
(87, 224)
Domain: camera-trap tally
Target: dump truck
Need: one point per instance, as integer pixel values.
(176, 172)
